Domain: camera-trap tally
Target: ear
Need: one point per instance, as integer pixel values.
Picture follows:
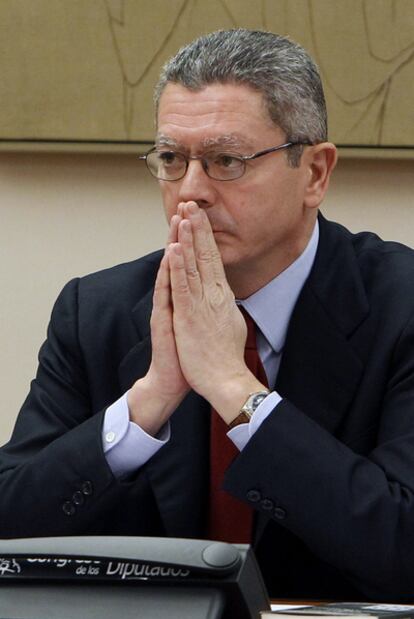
(320, 161)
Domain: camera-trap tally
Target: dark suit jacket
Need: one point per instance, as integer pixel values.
(330, 472)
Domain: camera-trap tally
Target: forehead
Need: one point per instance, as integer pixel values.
(224, 114)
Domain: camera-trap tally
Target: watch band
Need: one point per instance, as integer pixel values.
(242, 417)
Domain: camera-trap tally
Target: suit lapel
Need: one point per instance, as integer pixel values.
(136, 363)
(320, 371)
(178, 473)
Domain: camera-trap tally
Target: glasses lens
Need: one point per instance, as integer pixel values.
(224, 166)
(166, 165)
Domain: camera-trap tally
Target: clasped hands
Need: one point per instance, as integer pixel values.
(197, 331)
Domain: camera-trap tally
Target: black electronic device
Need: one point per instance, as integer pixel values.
(129, 577)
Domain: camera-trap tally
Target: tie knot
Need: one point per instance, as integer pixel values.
(251, 330)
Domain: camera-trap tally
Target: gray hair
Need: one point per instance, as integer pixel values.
(281, 70)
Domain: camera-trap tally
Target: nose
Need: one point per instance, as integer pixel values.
(196, 185)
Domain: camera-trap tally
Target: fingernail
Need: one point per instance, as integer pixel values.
(192, 208)
(185, 225)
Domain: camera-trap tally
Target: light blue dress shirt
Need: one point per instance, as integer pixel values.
(127, 447)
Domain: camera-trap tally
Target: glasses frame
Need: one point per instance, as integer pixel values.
(204, 163)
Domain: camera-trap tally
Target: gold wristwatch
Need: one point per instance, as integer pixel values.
(249, 407)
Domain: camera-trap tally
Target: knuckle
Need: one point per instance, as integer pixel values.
(192, 273)
(215, 254)
(204, 255)
(181, 288)
(218, 295)
(160, 288)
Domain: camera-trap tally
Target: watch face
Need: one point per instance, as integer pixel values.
(258, 399)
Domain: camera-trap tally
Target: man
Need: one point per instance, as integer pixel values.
(114, 437)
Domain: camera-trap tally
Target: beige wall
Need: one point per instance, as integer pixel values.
(65, 215)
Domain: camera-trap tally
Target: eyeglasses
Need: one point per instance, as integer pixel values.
(169, 165)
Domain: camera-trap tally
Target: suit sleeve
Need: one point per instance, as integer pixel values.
(54, 479)
(353, 510)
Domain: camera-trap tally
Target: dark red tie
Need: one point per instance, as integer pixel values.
(230, 520)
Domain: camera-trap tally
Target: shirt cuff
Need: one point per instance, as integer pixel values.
(126, 445)
(241, 434)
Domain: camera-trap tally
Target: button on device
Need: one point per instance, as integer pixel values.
(78, 498)
(68, 508)
(267, 504)
(280, 513)
(110, 437)
(221, 555)
(253, 496)
(87, 488)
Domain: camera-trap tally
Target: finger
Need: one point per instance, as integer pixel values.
(185, 238)
(181, 207)
(208, 257)
(180, 290)
(161, 323)
(162, 288)
(173, 229)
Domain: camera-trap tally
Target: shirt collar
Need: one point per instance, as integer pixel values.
(271, 307)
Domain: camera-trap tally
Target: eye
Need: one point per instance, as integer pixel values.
(168, 157)
(226, 161)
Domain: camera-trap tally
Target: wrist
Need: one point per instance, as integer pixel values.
(229, 397)
(148, 407)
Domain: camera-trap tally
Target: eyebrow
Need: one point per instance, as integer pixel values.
(164, 140)
(229, 139)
